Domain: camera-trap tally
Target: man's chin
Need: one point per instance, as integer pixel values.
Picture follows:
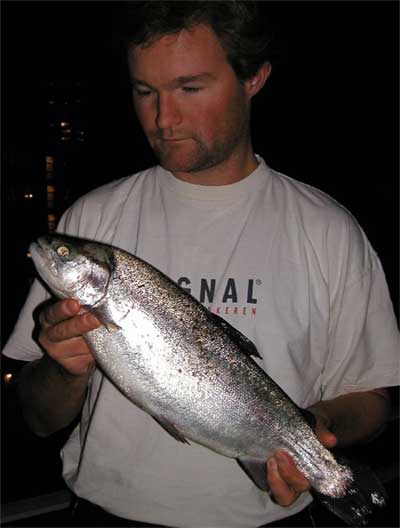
(180, 157)
(177, 166)
(183, 169)
(191, 165)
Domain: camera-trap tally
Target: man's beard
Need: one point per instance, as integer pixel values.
(201, 157)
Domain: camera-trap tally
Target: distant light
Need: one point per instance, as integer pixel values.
(28, 196)
(49, 163)
(29, 254)
(7, 377)
(64, 124)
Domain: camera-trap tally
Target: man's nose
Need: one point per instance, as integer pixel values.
(168, 112)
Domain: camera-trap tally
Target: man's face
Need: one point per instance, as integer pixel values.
(193, 109)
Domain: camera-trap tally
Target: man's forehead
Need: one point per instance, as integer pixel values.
(198, 43)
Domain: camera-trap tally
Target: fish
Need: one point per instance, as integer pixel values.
(193, 372)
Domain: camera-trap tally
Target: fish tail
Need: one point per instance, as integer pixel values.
(363, 498)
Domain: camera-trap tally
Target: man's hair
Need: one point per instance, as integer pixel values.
(239, 26)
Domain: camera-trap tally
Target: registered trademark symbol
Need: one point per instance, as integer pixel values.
(258, 282)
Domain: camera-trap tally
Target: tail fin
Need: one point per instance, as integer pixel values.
(362, 499)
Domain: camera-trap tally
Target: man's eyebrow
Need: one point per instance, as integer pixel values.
(179, 81)
(192, 78)
(134, 82)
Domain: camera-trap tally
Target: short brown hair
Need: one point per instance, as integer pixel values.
(242, 32)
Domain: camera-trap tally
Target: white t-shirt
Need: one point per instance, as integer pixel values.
(279, 260)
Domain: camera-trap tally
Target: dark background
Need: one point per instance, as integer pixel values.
(328, 116)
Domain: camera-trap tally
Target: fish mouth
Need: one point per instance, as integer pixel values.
(42, 256)
(44, 262)
(38, 254)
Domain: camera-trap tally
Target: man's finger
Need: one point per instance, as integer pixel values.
(280, 491)
(290, 473)
(59, 311)
(70, 328)
(325, 436)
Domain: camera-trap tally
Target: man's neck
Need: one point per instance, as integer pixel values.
(230, 171)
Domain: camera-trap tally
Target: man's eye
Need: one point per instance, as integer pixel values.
(191, 89)
(142, 93)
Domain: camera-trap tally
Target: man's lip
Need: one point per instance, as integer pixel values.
(172, 140)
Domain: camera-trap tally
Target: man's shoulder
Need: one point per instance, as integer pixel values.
(309, 203)
(118, 189)
(97, 213)
(320, 220)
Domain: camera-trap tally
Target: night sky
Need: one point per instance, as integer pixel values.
(327, 116)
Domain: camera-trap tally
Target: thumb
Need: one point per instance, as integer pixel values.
(325, 436)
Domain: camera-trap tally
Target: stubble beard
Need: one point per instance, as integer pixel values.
(203, 157)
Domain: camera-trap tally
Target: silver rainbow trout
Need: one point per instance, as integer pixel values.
(192, 371)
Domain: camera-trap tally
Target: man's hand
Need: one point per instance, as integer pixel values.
(53, 389)
(346, 420)
(61, 336)
(285, 481)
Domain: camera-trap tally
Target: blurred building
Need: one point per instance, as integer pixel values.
(43, 167)
(65, 138)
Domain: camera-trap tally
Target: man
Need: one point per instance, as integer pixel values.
(281, 261)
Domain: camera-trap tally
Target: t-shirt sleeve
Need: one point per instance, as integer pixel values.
(96, 216)
(21, 345)
(363, 336)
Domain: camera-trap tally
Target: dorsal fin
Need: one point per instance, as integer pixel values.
(241, 340)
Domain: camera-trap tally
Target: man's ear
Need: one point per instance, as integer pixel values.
(255, 83)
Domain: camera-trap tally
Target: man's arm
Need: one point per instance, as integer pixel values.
(356, 417)
(344, 421)
(52, 389)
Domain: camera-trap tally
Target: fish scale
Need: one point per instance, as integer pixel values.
(192, 371)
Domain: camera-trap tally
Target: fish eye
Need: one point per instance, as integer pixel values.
(63, 251)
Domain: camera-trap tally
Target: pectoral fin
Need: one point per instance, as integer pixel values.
(111, 327)
(171, 429)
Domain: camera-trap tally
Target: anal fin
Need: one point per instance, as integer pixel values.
(256, 470)
(309, 418)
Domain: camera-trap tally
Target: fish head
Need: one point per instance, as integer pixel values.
(72, 267)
